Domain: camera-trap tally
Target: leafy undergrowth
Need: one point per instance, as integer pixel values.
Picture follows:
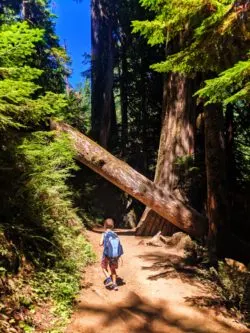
(231, 281)
(40, 299)
(233, 286)
(43, 249)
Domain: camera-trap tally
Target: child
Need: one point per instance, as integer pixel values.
(111, 244)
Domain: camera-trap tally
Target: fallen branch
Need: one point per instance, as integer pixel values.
(164, 239)
(155, 240)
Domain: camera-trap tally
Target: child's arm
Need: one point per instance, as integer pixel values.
(101, 240)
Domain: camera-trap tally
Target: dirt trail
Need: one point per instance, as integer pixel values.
(153, 299)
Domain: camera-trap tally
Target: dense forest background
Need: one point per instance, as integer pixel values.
(188, 128)
(167, 92)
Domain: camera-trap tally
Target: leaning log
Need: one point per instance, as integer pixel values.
(132, 182)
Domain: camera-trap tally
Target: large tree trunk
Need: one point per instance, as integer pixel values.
(133, 183)
(230, 157)
(217, 203)
(177, 140)
(124, 100)
(102, 100)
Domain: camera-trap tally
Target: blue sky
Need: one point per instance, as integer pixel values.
(73, 28)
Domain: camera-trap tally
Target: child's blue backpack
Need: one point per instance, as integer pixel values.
(112, 245)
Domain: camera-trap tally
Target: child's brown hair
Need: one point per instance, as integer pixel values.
(109, 223)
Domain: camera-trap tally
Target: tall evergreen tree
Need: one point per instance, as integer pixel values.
(102, 30)
(207, 27)
(133, 122)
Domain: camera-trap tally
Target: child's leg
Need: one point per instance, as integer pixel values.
(113, 275)
(113, 267)
(106, 273)
(104, 265)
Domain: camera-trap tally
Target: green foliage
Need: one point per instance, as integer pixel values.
(47, 232)
(41, 235)
(47, 159)
(17, 43)
(18, 107)
(15, 297)
(50, 157)
(153, 31)
(232, 283)
(78, 112)
(170, 21)
(233, 287)
(230, 86)
(201, 29)
(242, 144)
(50, 57)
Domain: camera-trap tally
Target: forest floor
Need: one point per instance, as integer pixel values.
(157, 294)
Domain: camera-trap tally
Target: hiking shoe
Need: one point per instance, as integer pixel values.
(108, 282)
(114, 286)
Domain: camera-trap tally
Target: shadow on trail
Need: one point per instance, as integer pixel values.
(218, 304)
(141, 316)
(171, 266)
(119, 281)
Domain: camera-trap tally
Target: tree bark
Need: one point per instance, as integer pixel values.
(132, 182)
(177, 140)
(102, 54)
(124, 100)
(217, 203)
(230, 157)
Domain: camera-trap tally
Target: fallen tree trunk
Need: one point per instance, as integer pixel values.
(132, 182)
